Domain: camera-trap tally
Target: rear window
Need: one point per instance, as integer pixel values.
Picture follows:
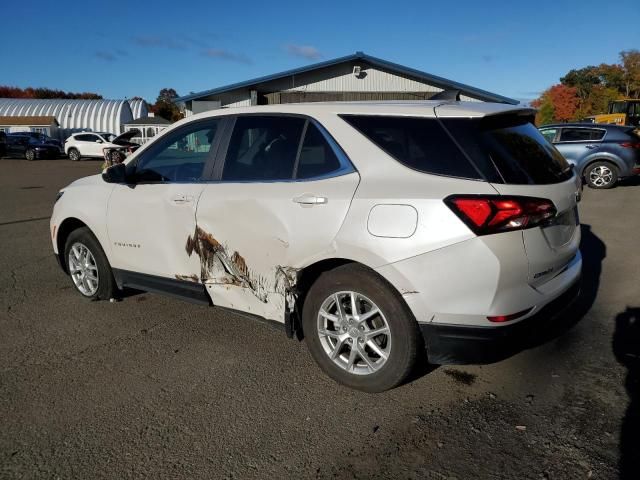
(512, 147)
(418, 143)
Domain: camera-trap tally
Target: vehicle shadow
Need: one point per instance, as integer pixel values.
(629, 182)
(626, 348)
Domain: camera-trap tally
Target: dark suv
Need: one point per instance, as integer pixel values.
(30, 148)
(601, 153)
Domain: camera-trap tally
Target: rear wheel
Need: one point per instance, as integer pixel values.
(88, 266)
(30, 154)
(359, 330)
(74, 154)
(602, 175)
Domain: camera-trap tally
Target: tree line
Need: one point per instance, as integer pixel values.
(587, 91)
(30, 92)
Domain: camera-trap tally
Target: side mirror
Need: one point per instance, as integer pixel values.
(115, 174)
(98, 141)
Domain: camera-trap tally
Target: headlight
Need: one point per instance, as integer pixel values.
(58, 195)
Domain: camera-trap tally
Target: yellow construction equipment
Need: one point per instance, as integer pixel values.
(621, 112)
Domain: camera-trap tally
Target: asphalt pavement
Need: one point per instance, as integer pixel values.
(152, 387)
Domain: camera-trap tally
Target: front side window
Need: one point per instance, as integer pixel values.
(263, 148)
(549, 134)
(580, 135)
(181, 157)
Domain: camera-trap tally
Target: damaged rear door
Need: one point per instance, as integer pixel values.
(283, 187)
(149, 217)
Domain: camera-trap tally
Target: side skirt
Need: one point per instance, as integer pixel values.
(189, 291)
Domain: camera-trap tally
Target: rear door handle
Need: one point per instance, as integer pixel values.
(309, 199)
(181, 199)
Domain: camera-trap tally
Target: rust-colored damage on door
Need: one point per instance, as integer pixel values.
(217, 266)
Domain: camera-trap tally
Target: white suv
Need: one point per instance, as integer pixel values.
(88, 144)
(379, 231)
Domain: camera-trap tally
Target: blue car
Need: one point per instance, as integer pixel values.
(601, 153)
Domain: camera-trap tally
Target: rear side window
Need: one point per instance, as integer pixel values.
(418, 143)
(84, 138)
(513, 146)
(263, 148)
(580, 135)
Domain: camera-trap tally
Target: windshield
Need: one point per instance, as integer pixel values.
(618, 107)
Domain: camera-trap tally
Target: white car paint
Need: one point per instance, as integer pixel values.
(383, 215)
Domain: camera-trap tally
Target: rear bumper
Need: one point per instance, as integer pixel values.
(450, 344)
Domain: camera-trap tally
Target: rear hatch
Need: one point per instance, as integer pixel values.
(517, 160)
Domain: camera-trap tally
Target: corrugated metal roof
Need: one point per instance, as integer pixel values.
(33, 120)
(434, 80)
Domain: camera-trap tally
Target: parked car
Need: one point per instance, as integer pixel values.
(42, 138)
(123, 147)
(28, 147)
(88, 145)
(601, 153)
(3, 143)
(363, 227)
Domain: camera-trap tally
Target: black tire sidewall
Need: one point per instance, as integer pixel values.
(610, 166)
(106, 282)
(404, 330)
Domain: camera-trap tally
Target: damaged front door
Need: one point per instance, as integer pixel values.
(283, 193)
(149, 218)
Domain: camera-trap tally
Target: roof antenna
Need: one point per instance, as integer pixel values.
(447, 95)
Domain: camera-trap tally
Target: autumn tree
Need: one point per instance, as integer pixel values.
(558, 103)
(630, 60)
(30, 92)
(165, 106)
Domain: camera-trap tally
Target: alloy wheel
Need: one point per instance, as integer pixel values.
(354, 333)
(83, 269)
(601, 176)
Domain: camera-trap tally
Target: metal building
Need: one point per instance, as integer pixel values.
(77, 115)
(351, 78)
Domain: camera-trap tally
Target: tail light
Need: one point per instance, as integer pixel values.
(487, 214)
(630, 145)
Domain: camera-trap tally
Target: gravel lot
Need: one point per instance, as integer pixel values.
(152, 387)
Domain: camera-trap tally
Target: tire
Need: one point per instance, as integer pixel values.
(401, 342)
(601, 175)
(96, 265)
(30, 154)
(74, 154)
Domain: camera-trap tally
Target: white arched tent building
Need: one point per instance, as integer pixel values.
(77, 115)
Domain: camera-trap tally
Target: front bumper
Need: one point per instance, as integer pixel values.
(449, 344)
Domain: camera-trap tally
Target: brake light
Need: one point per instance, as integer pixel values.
(487, 214)
(630, 145)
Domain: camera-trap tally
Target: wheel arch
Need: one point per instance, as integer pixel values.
(66, 227)
(308, 275)
(609, 159)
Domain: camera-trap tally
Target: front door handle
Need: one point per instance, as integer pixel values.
(590, 147)
(181, 199)
(309, 199)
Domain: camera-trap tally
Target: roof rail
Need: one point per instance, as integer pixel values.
(447, 95)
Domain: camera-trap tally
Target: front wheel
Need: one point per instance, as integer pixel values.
(30, 154)
(74, 154)
(602, 175)
(88, 266)
(359, 330)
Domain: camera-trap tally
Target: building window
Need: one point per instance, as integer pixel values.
(40, 130)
